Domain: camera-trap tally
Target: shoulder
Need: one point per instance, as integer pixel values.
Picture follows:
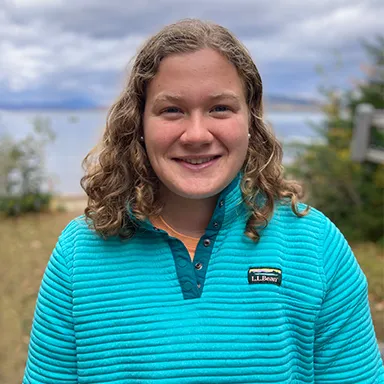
(314, 226)
(76, 232)
(78, 225)
(318, 235)
(313, 220)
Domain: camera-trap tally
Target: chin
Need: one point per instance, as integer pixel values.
(197, 193)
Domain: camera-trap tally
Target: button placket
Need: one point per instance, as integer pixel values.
(187, 286)
(182, 263)
(192, 274)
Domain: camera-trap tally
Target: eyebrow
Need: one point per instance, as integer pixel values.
(225, 95)
(167, 97)
(214, 97)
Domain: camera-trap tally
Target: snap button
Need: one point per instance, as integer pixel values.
(216, 224)
(198, 266)
(207, 242)
(221, 203)
(199, 286)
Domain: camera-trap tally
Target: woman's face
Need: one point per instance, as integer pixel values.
(196, 124)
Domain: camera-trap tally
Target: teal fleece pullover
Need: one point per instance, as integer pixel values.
(291, 308)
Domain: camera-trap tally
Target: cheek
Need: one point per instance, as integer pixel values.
(234, 134)
(158, 136)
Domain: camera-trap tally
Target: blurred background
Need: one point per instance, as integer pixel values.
(62, 64)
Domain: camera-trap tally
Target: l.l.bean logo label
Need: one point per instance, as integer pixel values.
(264, 275)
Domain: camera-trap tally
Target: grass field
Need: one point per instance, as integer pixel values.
(26, 246)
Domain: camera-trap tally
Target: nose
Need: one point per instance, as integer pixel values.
(196, 131)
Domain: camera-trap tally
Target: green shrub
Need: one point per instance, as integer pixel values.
(349, 193)
(17, 205)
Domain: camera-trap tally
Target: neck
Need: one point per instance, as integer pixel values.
(187, 216)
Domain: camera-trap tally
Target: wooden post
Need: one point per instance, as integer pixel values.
(366, 117)
(361, 132)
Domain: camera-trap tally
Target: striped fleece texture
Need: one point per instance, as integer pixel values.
(115, 312)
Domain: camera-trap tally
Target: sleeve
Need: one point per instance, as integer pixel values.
(346, 349)
(52, 347)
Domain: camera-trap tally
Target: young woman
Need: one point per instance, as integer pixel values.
(194, 262)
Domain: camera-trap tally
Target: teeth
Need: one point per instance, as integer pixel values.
(198, 161)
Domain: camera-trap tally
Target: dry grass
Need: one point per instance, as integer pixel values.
(371, 260)
(26, 246)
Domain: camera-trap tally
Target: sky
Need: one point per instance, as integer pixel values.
(77, 53)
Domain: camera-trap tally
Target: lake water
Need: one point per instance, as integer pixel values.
(78, 131)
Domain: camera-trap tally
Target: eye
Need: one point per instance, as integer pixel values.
(171, 110)
(221, 108)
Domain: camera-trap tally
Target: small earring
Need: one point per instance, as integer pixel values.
(141, 138)
(249, 135)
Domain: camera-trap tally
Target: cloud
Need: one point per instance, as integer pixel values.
(56, 47)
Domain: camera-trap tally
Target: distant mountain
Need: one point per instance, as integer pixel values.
(72, 103)
(79, 103)
(283, 99)
(283, 103)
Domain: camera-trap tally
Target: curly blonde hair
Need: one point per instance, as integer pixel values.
(118, 175)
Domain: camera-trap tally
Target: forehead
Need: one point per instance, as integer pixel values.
(198, 73)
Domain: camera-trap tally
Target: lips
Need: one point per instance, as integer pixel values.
(197, 160)
(197, 163)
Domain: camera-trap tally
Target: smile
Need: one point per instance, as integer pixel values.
(197, 163)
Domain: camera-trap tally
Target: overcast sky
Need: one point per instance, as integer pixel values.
(60, 50)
